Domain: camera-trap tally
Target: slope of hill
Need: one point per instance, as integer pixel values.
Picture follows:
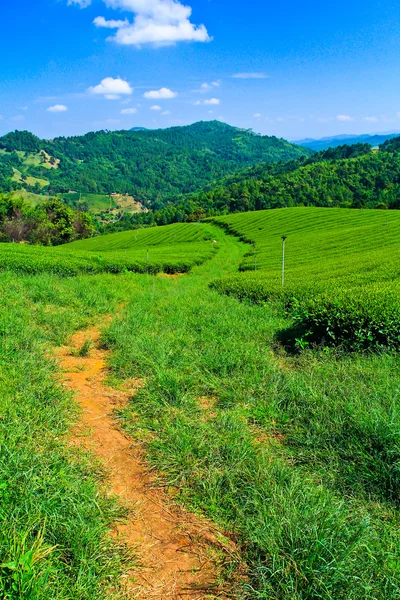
(173, 249)
(374, 139)
(347, 176)
(347, 260)
(150, 165)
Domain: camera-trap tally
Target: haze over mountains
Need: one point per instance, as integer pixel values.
(374, 139)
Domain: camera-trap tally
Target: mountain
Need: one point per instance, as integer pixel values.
(374, 139)
(153, 166)
(138, 129)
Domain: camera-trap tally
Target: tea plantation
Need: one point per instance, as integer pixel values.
(341, 271)
(174, 249)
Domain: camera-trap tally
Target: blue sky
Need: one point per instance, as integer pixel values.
(289, 68)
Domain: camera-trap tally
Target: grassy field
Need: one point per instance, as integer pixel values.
(54, 513)
(296, 455)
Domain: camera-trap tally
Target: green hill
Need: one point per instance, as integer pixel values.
(341, 270)
(150, 165)
(173, 249)
(347, 176)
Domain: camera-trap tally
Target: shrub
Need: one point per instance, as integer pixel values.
(356, 319)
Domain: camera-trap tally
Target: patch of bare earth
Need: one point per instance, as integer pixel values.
(179, 555)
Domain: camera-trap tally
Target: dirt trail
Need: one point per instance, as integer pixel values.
(177, 553)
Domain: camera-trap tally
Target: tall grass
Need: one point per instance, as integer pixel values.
(54, 513)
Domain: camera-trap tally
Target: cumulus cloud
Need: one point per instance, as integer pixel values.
(157, 22)
(257, 115)
(18, 118)
(155, 107)
(162, 94)
(250, 76)
(166, 112)
(371, 119)
(344, 118)
(57, 108)
(112, 89)
(128, 111)
(80, 3)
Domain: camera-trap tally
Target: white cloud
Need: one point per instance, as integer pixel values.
(155, 107)
(257, 115)
(128, 111)
(23, 107)
(250, 76)
(111, 88)
(102, 22)
(371, 119)
(18, 118)
(210, 102)
(157, 22)
(57, 108)
(166, 112)
(81, 3)
(209, 86)
(162, 94)
(344, 118)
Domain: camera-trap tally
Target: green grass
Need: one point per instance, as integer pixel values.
(299, 458)
(97, 203)
(171, 235)
(54, 514)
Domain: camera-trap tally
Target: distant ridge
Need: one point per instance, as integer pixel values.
(138, 129)
(375, 139)
(153, 166)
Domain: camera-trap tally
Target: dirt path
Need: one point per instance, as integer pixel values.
(177, 553)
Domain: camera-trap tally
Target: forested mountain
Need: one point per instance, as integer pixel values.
(151, 165)
(374, 139)
(348, 176)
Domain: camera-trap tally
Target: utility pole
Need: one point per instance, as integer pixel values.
(284, 238)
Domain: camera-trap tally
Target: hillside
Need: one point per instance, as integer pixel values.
(373, 139)
(343, 262)
(150, 165)
(347, 176)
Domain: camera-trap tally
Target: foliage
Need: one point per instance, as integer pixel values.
(353, 318)
(48, 223)
(150, 165)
